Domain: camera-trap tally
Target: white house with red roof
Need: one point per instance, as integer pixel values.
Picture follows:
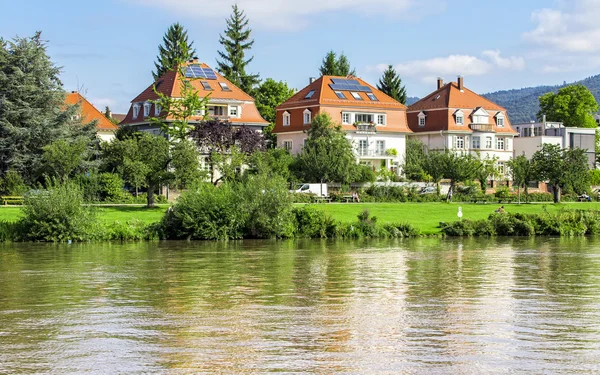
(374, 122)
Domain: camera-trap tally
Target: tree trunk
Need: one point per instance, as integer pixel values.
(519, 193)
(450, 191)
(136, 191)
(150, 195)
(556, 193)
(526, 194)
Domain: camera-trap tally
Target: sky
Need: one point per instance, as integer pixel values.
(107, 48)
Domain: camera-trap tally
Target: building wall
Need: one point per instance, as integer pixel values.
(392, 140)
(529, 145)
(297, 138)
(106, 136)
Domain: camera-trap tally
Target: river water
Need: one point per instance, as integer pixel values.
(425, 306)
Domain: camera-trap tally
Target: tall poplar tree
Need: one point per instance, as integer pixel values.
(175, 48)
(236, 42)
(391, 84)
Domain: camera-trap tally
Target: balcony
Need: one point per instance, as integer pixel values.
(378, 154)
(483, 128)
(365, 128)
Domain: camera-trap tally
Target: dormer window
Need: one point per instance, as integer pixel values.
(460, 117)
(286, 118)
(310, 94)
(224, 86)
(307, 117)
(480, 116)
(422, 117)
(147, 109)
(136, 110)
(157, 109)
(500, 119)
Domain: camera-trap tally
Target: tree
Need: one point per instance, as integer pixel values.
(416, 156)
(327, 155)
(522, 173)
(33, 113)
(458, 168)
(485, 170)
(236, 42)
(391, 84)
(108, 114)
(561, 168)
(335, 66)
(269, 95)
(433, 164)
(573, 105)
(173, 51)
(62, 158)
(272, 162)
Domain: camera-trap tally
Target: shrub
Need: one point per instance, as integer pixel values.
(57, 214)
(12, 184)
(103, 187)
(9, 231)
(131, 230)
(313, 223)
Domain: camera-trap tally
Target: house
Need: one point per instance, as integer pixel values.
(533, 135)
(226, 101)
(104, 127)
(454, 117)
(374, 122)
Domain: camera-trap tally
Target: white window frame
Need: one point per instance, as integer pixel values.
(136, 110)
(422, 119)
(358, 115)
(356, 95)
(363, 151)
(382, 118)
(348, 120)
(157, 109)
(459, 142)
(500, 143)
(476, 142)
(500, 119)
(147, 107)
(233, 111)
(287, 145)
(380, 147)
(286, 118)
(488, 143)
(338, 93)
(224, 86)
(501, 167)
(307, 116)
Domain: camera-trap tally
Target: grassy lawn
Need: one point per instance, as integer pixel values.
(425, 216)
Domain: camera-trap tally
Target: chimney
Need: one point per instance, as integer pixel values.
(461, 83)
(440, 82)
(311, 80)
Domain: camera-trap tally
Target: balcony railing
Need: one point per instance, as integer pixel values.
(365, 128)
(482, 128)
(373, 153)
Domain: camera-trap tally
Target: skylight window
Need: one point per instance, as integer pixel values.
(340, 95)
(310, 94)
(224, 86)
(206, 85)
(356, 95)
(437, 97)
(372, 96)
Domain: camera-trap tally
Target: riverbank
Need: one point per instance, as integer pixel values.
(423, 216)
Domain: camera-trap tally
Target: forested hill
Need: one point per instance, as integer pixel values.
(523, 105)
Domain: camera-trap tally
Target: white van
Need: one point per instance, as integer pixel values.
(317, 189)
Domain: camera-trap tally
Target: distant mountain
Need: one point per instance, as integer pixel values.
(522, 105)
(412, 100)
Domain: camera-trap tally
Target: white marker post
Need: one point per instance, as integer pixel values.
(459, 214)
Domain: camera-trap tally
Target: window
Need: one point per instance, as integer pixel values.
(224, 86)
(500, 121)
(233, 111)
(500, 143)
(476, 142)
(422, 119)
(136, 110)
(481, 119)
(286, 119)
(380, 119)
(501, 167)
(372, 96)
(362, 147)
(340, 95)
(287, 145)
(460, 142)
(488, 142)
(380, 148)
(216, 111)
(147, 109)
(363, 118)
(356, 95)
(206, 85)
(346, 118)
(157, 110)
(307, 117)
(310, 94)
(460, 120)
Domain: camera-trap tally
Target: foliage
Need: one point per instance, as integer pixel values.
(102, 187)
(335, 66)
(236, 42)
(32, 109)
(174, 50)
(457, 167)
(57, 215)
(391, 84)
(12, 184)
(313, 223)
(595, 177)
(63, 158)
(267, 97)
(185, 157)
(573, 105)
(415, 160)
(327, 155)
(365, 173)
(521, 172)
(486, 169)
(272, 162)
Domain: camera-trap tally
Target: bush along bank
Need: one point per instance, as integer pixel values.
(566, 223)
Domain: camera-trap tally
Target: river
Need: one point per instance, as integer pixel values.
(424, 306)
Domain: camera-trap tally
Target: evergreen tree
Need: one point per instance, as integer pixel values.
(335, 66)
(175, 48)
(233, 60)
(391, 84)
(33, 113)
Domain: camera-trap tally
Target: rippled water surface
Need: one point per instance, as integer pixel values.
(421, 306)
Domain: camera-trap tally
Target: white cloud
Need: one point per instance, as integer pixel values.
(511, 63)
(291, 14)
(572, 28)
(101, 103)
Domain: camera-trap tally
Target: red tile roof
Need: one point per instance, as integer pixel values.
(89, 113)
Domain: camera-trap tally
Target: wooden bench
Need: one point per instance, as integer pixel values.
(505, 200)
(12, 200)
(322, 199)
(479, 200)
(347, 198)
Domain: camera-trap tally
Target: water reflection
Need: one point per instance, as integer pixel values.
(418, 306)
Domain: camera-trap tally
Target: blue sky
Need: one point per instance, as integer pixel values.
(108, 48)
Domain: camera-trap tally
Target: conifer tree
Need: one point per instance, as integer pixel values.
(175, 48)
(391, 84)
(335, 66)
(233, 61)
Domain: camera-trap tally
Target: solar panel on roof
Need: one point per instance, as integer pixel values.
(209, 73)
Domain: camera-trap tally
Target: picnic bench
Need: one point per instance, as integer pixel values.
(12, 200)
(318, 199)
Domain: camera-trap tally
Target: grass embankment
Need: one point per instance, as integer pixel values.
(424, 216)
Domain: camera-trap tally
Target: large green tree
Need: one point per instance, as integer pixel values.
(522, 173)
(175, 49)
(391, 84)
(63, 158)
(33, 113)
(327, 155)
(573, 105)
(414, 160)
(233, 60)
(333, 65)
(268, 96)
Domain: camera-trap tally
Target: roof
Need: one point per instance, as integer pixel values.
(89, 113)
(449, 96)
(118, 116)
(325, 95)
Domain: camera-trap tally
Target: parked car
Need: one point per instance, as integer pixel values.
(428, 190)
